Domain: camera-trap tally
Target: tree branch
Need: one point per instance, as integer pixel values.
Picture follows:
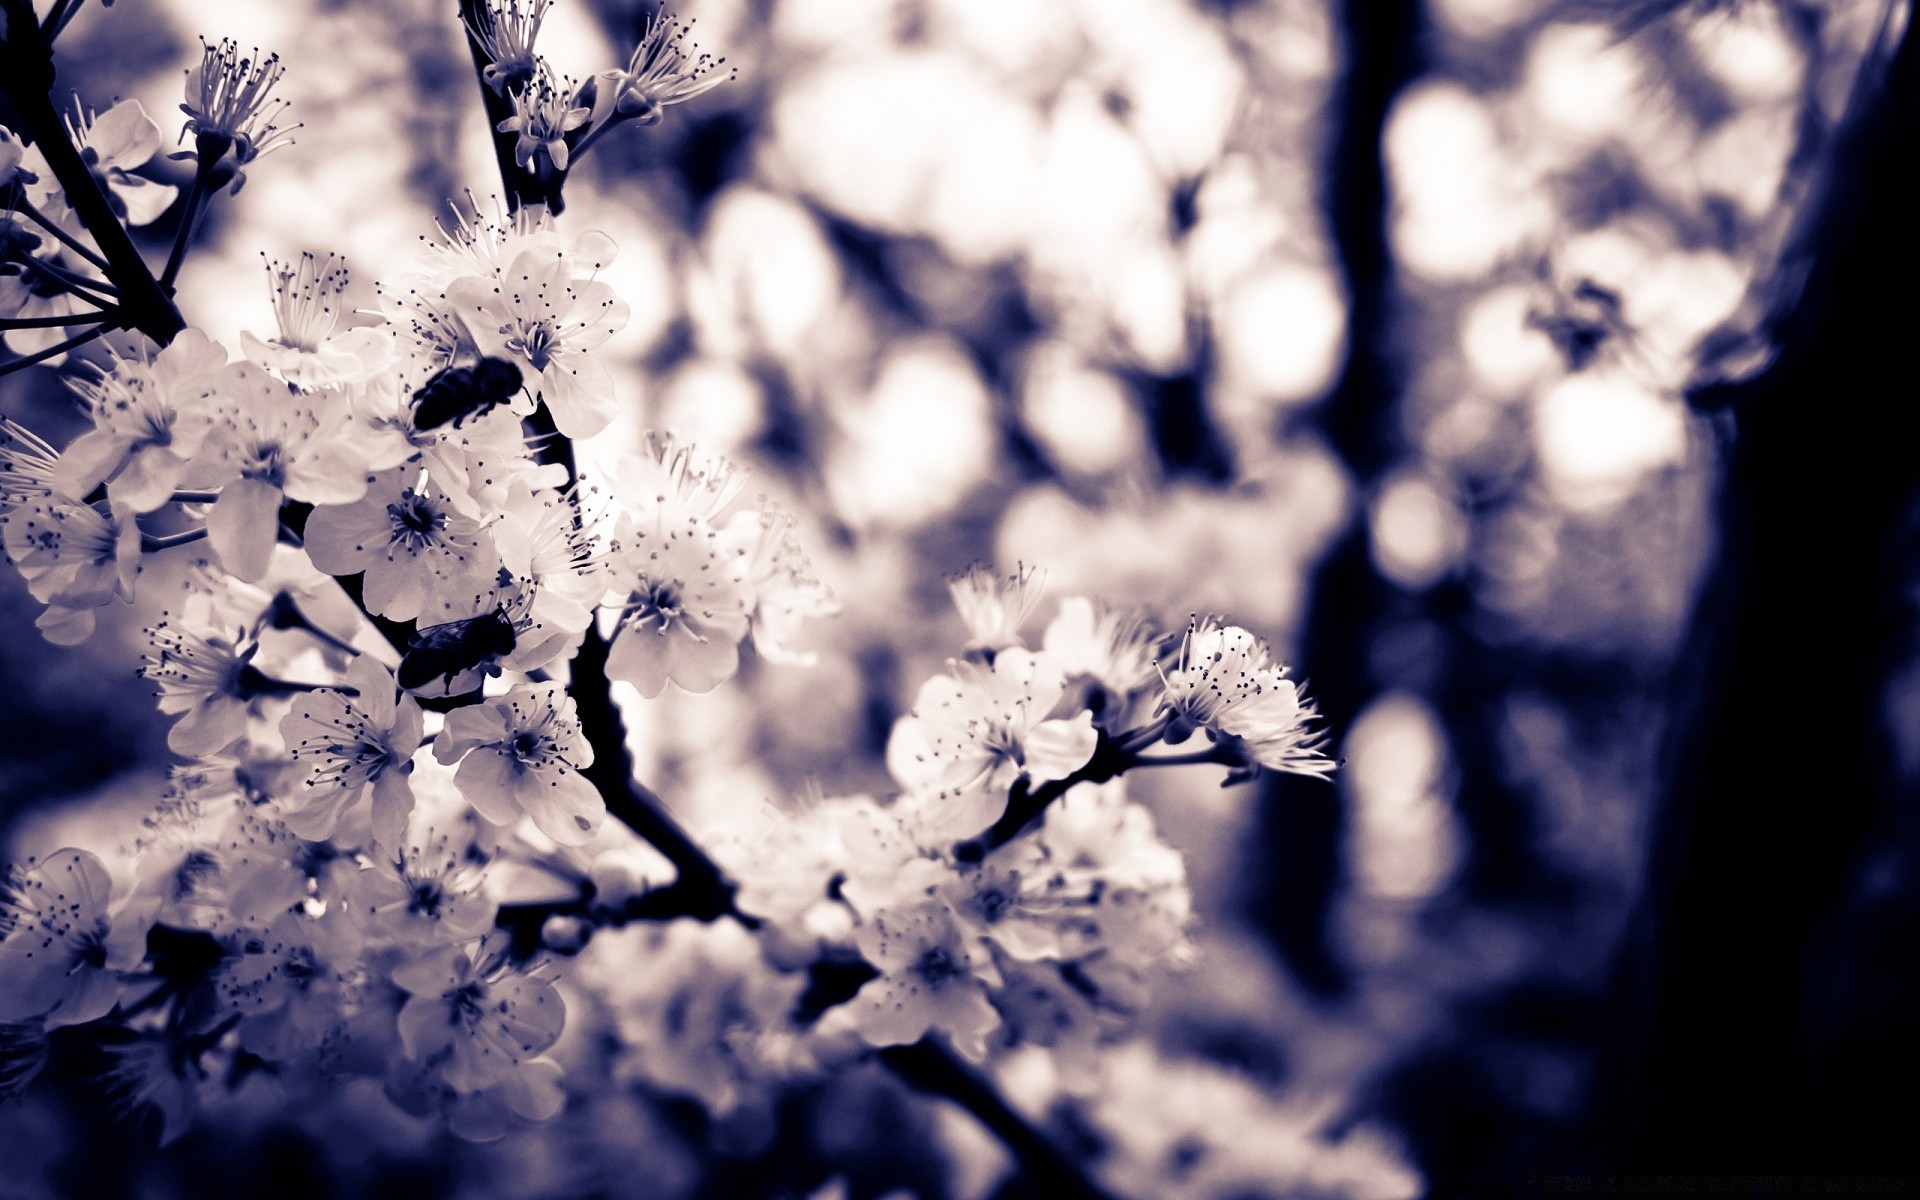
(27, 75)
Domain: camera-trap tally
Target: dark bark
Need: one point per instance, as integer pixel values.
(1350, 602)
(1741, 982)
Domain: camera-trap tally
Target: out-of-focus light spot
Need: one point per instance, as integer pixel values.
(1282, 333)
(573, 42)
(1583, 79)
(1149, 305)
(1418, 534)
(921, 440)
(1013, 36)
(1483, 18)
(1745, 158)
(1505, 351)
(1096, 191)
(1461, 205)
(1184, 89)
(1748, 51)
(1168, 554)
(712, 402)
(1082, 416)
(272, 27)
(1405, 845)
(1174, 69)
(836, 24)
(1238, 224)
(771, 269)
(914, 143)
(1598, 433)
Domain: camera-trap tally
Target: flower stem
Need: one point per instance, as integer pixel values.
(22, 204)
(26, 76)
(55, 322)
(73, 343)
(196, 203)
(150, 543)
(100, 295)
(930, 1067)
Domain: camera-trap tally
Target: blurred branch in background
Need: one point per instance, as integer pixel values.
(1350, 601)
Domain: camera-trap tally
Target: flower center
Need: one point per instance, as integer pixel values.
(936, 965)
(416, 522)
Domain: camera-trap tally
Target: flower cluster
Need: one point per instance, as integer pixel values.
(388, 672)
(317, 890)
(50, 282)
(1013, 894)
(553, 120)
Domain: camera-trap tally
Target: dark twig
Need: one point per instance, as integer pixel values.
(58, 348)
(702, 890)
(930, 1067)
(27, 75)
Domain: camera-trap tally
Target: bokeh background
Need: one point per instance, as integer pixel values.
(1380, 327)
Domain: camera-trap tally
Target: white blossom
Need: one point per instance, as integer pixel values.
(353, 742)
(665, 69)
(151, 414)
(475, 1014)
(993, 607)
(55, 959)
(933, 977)
(74, 560)
(417, 550)
(323, 341)
(521, 754)
(1224, 681)
(535, 313)
(987, 727)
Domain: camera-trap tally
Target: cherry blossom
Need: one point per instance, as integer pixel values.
(987, 727)
(1224, 681)
(522, 754)
(55, 959)
(416, 548)
(475, 1015)
(151, 413)
(534, 312)
(353, 740)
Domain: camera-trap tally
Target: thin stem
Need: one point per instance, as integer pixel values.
(63, 12)
(196, 203)
(930, 1067)
(194, 497)
(150, 543)
(27, 75)
(22, 204)
(345, 647)
(90, 290)
(54, 322)
(1221, 755)
(73, 343)
(289, 687)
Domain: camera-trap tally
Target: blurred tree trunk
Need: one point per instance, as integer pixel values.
(1766, 1000)
(1349, 602)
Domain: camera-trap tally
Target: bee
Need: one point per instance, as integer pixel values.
(476, 643)
(456, 393)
